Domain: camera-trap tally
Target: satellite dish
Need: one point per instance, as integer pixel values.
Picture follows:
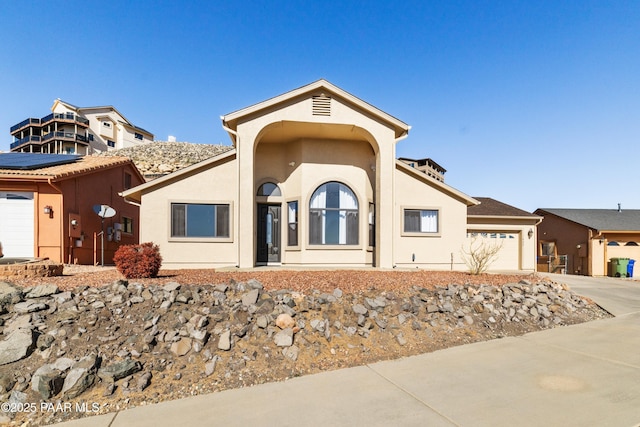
(104, 211)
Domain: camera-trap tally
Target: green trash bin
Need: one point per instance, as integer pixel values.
(619, 267)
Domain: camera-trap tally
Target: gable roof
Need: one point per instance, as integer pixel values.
(230, 120)
(599, 219)
(84, 165)
(494, 208)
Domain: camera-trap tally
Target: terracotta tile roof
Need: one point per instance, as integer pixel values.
(82, 166)
(491, 207)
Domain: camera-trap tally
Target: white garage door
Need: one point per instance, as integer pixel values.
(509, 253)
(16, 224)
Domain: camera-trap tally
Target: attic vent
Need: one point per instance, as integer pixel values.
(321, 105)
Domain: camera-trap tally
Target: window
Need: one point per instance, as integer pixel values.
(613, 244)
(107, 125)
(269, 189)
(127, 225)
(631, 244)
(138, 136)
(292, 222)
(199, 220)
(90, 137)
(420, 221)
(548, 248)
(372, 224)
(127, 181)
(333, 215)
(111, 143)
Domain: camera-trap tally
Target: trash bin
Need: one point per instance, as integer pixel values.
(630, 267)
(619, 267)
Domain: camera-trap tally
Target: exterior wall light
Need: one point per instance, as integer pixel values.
(48, 210)
(530, 233)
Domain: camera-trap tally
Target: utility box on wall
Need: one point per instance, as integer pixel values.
(75, 226)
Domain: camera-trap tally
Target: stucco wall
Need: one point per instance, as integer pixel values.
(440, 251)
(217, 184)
(299, 168)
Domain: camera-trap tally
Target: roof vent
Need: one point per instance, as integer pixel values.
(321, 105)
(619, 207)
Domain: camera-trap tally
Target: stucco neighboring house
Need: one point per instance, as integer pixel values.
(510, 229)
(312, 179)
(589, 238)
(77, 130)
(47, 200)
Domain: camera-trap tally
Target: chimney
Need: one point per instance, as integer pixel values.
(619, 207)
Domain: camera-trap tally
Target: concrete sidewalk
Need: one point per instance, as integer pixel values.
(582, 375)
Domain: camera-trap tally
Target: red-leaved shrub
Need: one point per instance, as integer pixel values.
(138, 261)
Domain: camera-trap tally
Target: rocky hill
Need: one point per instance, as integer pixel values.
(161, 158)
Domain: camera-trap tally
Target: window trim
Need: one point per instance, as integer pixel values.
(438, 211)
(293, 247)
(308, 210)
(171, 238)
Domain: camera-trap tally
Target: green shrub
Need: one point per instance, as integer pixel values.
(138, 261)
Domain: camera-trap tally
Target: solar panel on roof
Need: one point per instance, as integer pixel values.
(30, 161)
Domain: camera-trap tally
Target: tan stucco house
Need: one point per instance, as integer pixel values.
(311, 179)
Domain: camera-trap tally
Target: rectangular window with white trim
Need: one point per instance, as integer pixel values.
(421, 221)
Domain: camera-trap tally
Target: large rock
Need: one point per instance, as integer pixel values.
(224, 343)
(182, 347)
(43, 291)
(81, 376)
(9, 294)
(284, 338)
(284, 321)
(119, 370)
(47, 381)
(18, 345)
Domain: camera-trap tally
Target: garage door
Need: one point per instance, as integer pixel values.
(509, 253)
(16, 224)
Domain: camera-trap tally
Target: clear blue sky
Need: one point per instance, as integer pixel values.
(536, 104)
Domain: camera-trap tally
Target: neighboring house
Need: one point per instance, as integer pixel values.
(47, 200)
(427, 166)
(589, 238)
(77, 130)
(511, 229)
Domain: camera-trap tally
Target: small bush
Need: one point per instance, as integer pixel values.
(138, 261)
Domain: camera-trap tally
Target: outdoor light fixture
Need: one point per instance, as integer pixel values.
(48, 210)
(530, 233)
(292, 164)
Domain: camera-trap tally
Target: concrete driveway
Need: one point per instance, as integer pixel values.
(618, 296)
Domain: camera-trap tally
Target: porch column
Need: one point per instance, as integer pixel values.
(245, 152)
(385, 178)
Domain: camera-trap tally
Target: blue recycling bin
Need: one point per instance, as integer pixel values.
(630, 267)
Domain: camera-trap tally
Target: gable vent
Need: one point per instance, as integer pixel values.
(321, 105)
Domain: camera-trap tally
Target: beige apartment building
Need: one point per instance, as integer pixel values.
(77, 130)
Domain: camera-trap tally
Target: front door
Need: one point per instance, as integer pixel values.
(268, 234)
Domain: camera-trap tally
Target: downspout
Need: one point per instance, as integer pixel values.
(62, 240)
(404, 135)
(236, 213)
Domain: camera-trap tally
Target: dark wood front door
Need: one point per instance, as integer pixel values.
(268, 234)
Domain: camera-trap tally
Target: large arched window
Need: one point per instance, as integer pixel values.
(333, 215)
